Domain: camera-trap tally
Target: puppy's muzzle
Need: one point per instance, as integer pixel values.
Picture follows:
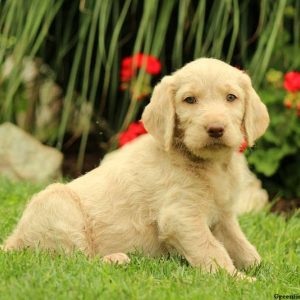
(215, 130)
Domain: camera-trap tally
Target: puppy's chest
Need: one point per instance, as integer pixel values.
(223, 189)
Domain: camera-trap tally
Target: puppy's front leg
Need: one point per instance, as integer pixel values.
(190, 235)
(229, 233)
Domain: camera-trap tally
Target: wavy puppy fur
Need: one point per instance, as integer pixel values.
(174, 188)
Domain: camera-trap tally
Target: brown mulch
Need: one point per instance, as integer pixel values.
(93, 155)
(286, 207)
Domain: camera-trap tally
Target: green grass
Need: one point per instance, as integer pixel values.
(36, 275)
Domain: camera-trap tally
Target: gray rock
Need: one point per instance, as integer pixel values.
(22, 157)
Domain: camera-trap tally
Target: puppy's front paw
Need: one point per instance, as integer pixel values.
(116, 258)
(249, 258)
(242, 276)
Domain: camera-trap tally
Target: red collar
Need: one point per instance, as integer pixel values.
(243, 147)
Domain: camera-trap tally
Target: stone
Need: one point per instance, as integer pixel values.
(23, 158)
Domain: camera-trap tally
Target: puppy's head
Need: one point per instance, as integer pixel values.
(208, 106)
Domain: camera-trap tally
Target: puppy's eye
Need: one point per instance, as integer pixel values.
(231, 97)
(190, 100)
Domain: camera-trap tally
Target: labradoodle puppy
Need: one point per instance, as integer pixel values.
(175, 188)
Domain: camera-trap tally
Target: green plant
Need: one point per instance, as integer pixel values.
(84, 42)
(276, 155)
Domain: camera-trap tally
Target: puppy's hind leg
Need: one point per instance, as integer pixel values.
(54, 220)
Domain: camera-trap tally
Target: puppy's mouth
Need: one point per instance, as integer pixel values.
(215, 144)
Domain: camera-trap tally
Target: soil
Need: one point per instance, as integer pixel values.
(286, 207)
(93, 155)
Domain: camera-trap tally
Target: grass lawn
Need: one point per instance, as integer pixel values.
(36, 275)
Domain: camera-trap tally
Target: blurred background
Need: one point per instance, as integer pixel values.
(76, 75)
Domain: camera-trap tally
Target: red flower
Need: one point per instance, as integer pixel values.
(126, 74)
(131, 63)
(292, 81)
(153, 66)
(133, 131)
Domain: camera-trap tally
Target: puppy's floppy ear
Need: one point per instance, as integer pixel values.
(256, 118)
(159, 114)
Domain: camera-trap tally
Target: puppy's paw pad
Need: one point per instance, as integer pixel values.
(116, 258)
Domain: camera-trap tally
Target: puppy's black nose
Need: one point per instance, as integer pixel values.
(215, 131)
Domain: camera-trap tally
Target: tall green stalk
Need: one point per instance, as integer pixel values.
(89, 58)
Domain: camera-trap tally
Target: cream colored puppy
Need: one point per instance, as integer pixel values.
(173, 189)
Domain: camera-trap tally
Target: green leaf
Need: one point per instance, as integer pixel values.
(268, 161)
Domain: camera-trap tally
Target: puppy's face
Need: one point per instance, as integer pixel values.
(208, 106)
